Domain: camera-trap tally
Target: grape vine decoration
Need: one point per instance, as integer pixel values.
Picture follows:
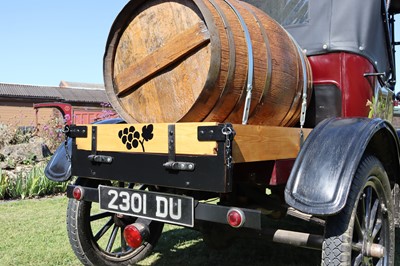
(131, 138)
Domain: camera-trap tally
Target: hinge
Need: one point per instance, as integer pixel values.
(76, 131)
(172, 164)
(94, 140)
(212, 133)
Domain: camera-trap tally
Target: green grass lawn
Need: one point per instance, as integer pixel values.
(34, 233)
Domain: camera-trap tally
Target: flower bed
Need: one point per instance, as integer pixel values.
(23, 157)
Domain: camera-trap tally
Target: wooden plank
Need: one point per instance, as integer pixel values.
(109, 139)
(251, 143)
(263, 143)
(176, 48)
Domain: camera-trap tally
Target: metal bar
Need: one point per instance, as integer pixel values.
(298, 239)
(94, 140)
(389, 43)
(250, 61)
(217, 214)
(306, 217)
(171, 143)
(90, 194)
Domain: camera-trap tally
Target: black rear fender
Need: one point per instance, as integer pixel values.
(323, 171)
(59, 167)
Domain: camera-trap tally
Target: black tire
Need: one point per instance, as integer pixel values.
(89, 236)
(367, 218)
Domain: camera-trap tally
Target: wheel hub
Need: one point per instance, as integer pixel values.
(374, 250)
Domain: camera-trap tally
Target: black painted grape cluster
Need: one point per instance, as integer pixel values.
(131, 138)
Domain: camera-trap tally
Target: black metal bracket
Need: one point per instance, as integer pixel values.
(100, 158)
(94, 140)
(171, 143)
(94, 157)
(210, 133)
(76, 131)
(172, 164)
(213, 133)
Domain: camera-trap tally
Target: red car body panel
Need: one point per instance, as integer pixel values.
(346, 71)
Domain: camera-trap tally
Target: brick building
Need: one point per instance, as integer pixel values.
(16, 102)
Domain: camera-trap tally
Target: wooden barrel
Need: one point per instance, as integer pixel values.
(196, 60)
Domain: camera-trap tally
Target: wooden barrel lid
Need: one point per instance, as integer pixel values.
(160, 62)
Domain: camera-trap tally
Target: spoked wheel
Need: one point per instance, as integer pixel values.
(97, 236)
(363, 232)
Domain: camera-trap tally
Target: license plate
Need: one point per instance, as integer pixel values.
(174, 209)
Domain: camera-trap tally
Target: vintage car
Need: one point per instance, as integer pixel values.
(235, 114)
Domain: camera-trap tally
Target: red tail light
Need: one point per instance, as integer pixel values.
(135, 234)
(235, 217)
(78, 193)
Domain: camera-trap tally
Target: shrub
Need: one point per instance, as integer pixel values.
(21, 155)
(28, 184)
(52, 132)
(3, 184)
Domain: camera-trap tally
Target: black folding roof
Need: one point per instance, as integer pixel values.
(323, 26)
